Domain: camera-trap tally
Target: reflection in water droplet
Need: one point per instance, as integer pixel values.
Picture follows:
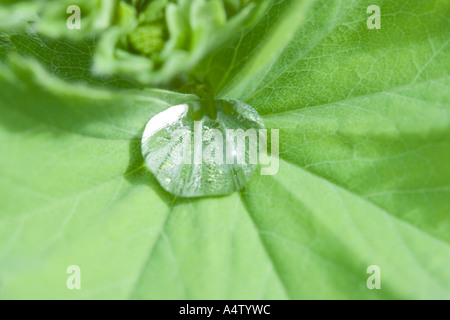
(203, 148)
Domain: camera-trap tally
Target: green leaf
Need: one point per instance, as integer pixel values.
(69, 60)
(364, 179)
(16, 13)
(72, 159)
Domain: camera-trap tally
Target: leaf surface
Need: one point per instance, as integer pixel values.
(364, 120)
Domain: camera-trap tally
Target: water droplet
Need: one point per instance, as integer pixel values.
(203, 148)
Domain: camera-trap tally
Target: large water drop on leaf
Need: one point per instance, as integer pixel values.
(203, 148)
